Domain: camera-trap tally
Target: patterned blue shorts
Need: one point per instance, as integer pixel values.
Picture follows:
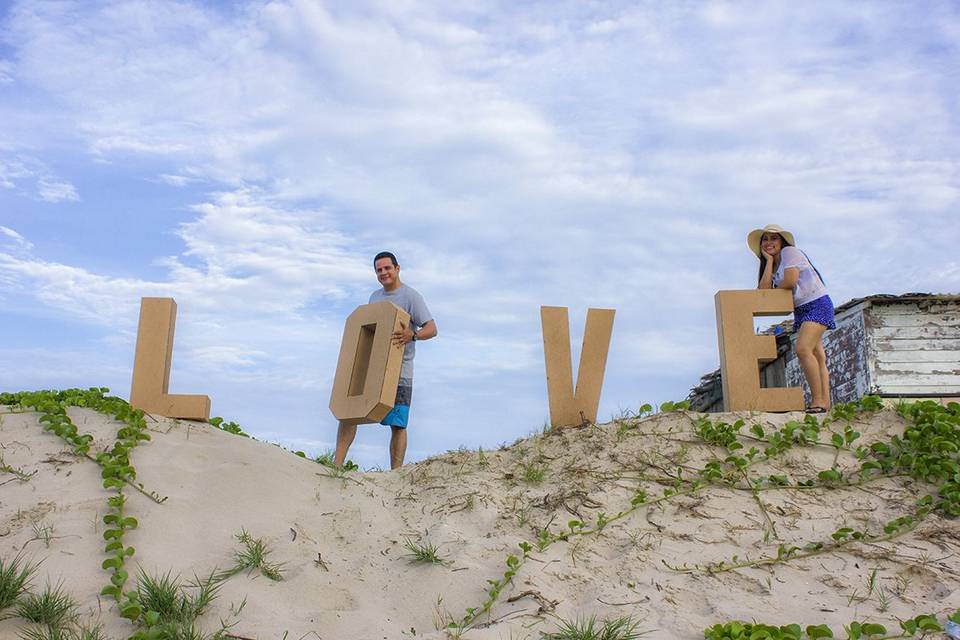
(400, 413)
(819, 311)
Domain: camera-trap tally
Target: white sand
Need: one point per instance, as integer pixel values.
(368, 588)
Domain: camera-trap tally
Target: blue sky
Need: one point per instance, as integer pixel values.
(249, 158)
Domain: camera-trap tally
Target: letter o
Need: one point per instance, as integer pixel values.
(368, 369)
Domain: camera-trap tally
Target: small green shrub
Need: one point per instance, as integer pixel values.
(53, 607)
(325, 458)
(423, 552)
(171, 608)
(534, 472)
(73, 632)
(622, 628)
(252, 556)
(229, 427)
(15, 578)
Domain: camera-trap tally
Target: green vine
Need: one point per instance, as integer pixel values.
(927, 451)
(923, 625)
(229, 427)
(116, 470)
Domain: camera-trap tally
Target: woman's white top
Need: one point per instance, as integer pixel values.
(809, 285)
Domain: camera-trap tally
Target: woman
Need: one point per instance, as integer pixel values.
(783, 266)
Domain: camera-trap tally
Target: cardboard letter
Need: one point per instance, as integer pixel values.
(368, 370)
(151, 365)
(741, 351)
(569, 407)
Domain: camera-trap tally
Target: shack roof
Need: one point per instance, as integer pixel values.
(886, 298)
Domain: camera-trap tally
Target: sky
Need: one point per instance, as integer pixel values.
(249, 158)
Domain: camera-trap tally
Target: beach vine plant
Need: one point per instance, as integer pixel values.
(144, 604)
(229, 427)
(16, 472)
(927, 451)
(920, 626)
(117, 472)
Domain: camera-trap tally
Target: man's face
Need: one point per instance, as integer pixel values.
(387, 272)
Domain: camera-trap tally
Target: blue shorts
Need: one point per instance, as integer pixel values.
(819, 311)
(400, 413)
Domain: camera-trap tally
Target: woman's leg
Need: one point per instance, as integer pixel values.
(808, 339)
(821, 356)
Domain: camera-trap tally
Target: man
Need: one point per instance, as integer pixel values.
(422, 327)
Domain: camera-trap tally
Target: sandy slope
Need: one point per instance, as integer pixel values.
(476, 508)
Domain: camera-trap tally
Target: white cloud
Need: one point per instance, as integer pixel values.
(19, 241)
(33, 177)
(53, 191)
(11, 171)
(513, 155)
(226, 356)
(242, 255)
(178, 180)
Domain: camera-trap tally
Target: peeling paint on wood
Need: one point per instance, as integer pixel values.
(886, 345)
(846, 359)
(889, 349)
(923, 356)
(919, 345)
(913, 368)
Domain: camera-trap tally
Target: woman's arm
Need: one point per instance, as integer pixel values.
(790, 277)
(766, 280)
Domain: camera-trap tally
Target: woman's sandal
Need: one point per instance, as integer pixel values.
(816, 410)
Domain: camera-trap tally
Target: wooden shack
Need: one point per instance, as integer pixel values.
(905, 346)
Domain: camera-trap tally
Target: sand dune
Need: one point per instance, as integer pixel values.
(347, 573)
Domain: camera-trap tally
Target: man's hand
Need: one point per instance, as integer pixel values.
(402, 337)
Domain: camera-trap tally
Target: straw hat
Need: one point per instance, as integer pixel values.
(753, 238)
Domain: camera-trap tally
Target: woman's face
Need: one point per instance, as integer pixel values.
(771, 243)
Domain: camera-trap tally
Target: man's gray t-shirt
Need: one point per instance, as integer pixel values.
(412, 302)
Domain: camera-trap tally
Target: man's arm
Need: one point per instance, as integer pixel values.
(427, 331)
(405, 335)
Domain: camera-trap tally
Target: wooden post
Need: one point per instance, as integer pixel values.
(741, 350)
(368, 369)
(569, 407)
(152, 361)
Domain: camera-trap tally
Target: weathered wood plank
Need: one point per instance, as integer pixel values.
(929, 306)
(916, 319)
(919, 368)
(940, 381)
(908, 389)
(888, 344)
(929, 332)
(891, 357)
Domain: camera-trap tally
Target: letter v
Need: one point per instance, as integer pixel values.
(569, 407)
